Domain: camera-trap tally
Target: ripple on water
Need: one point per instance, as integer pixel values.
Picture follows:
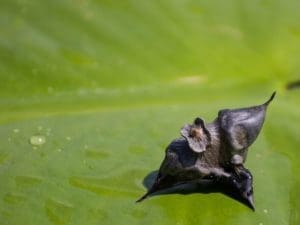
(136, 149)
(96, 185)
(139, 213)
(96, 154)
(58, 212)
(27, 180)
(97, 214)
(6, 214)
(14, 198)
(116, 186)
(3, 158)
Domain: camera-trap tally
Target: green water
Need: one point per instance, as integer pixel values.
(91, 93)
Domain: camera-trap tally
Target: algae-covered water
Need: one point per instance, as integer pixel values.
(92, 91)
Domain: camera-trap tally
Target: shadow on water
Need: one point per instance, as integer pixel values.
(203, 187)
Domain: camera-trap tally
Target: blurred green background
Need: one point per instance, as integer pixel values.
(92, 91)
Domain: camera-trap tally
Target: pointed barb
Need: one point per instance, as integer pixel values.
(250, 202)
(271, 98)
(142, 198)
(153, 189)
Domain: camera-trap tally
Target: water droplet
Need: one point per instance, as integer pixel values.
(37, 140)
(16, 130)
(40, 128)
(265, 211)
(260, 224)
(68, 138)
(86, 146)
(59, 150)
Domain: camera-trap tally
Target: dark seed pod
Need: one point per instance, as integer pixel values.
(214, 151)
(242, 126)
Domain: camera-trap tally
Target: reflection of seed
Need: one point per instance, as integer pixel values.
(37, 140)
